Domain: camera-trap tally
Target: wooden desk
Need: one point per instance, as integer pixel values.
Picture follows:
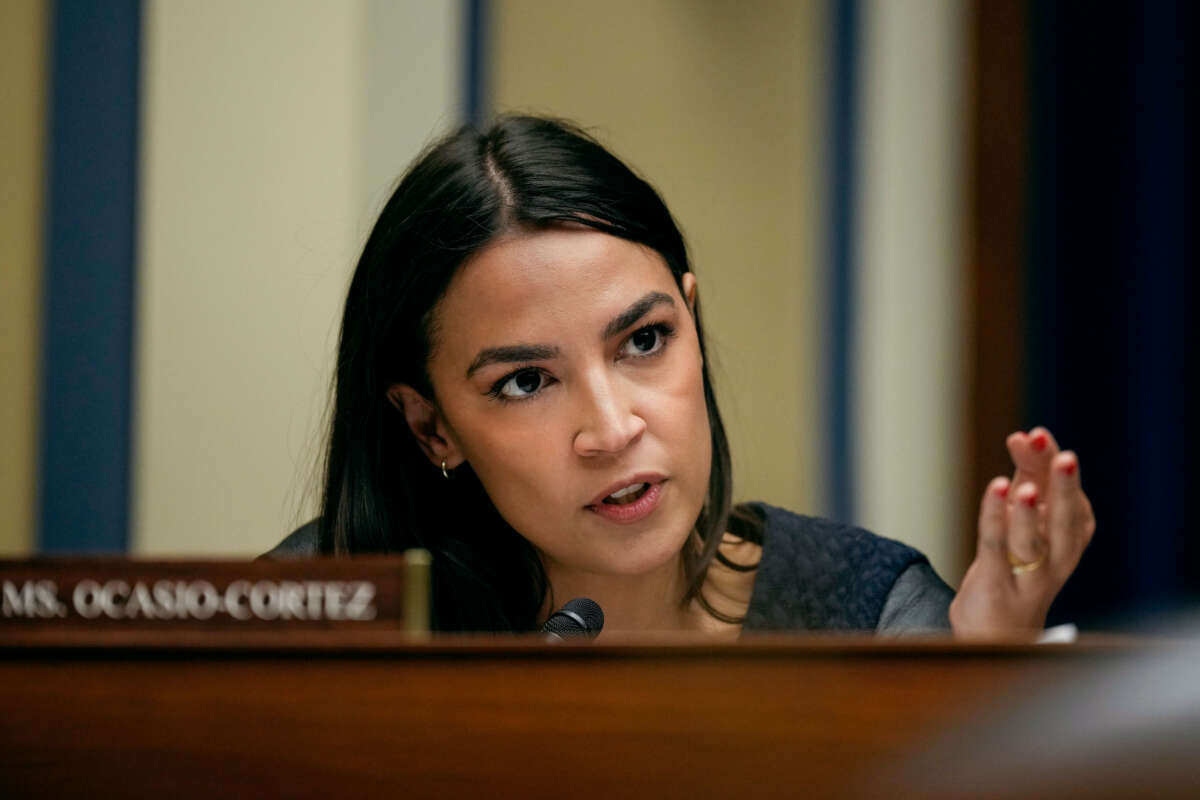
(352, 713)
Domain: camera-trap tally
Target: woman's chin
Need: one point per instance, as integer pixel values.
(640, 555)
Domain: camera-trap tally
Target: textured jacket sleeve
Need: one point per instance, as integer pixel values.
(300, 543)
(919, 602)
(815, 574)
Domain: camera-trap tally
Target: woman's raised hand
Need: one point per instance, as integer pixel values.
(1032, 532)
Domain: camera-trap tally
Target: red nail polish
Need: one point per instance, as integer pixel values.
(1030, 501)
(1040, 441)
(1003, 491)
(1070, 467)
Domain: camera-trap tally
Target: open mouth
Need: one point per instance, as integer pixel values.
(630, 494)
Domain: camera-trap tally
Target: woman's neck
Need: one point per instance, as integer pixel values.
(631, 603)
(653, 601)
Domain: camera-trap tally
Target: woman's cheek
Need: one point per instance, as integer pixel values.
(520, 470)
(683, 418)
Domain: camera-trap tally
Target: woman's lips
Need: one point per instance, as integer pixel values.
(625, 483)
(632, 512)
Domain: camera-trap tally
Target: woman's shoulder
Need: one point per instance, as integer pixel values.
(818, 574)
(300, 543)
(790, 534)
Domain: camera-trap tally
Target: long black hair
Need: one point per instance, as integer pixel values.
(381, 494)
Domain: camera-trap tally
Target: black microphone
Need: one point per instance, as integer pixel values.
(579, 617)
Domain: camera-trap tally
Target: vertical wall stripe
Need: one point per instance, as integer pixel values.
(415, 84)
(1160, 239)
(23, 49)
(89, 276)
(997, 197)
(1164, 301)
(477, 61)
(909, 342)
(843, 135)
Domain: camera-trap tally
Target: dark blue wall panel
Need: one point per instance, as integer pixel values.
(839, 347)
(476, 53)
(1112, 292)
(89, 276)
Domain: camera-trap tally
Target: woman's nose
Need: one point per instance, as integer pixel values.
(608, 423)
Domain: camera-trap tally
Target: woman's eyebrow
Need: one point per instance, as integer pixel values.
(518, 353)
(636, 312)
(512, 354)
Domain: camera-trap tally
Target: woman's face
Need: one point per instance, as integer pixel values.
(567, 372)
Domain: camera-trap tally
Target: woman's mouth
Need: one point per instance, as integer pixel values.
(627, 495)
(630, 503)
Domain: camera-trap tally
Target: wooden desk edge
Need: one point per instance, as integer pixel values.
(333, 642)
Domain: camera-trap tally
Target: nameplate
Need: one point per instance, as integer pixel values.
(89, 593)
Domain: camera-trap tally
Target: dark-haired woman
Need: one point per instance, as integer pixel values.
(521, 389)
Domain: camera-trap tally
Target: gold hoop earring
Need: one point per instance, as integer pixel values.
(445, 472)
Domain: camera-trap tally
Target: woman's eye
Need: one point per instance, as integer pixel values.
(519, 385)
(646, 341)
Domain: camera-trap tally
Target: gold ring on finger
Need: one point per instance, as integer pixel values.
(1022, 567)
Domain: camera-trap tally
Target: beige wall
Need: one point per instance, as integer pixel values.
(271, 132)
(717, 104)
(22, 98)
(910, 359)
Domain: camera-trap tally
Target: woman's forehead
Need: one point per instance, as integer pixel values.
(560, 279)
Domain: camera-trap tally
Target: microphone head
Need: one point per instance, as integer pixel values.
(579, 617)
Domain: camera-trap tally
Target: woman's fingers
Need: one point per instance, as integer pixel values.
(1032, 532)
(991, 557)
(1070, 522)
(1026, 548)
(1031, 454)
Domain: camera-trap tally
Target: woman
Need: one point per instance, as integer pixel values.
(522, 389)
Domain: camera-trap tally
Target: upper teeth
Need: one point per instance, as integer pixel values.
(626, 490)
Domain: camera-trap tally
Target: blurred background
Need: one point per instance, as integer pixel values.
(917, 225)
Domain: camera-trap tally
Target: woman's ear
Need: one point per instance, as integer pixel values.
(688, 282)
(427, 424)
